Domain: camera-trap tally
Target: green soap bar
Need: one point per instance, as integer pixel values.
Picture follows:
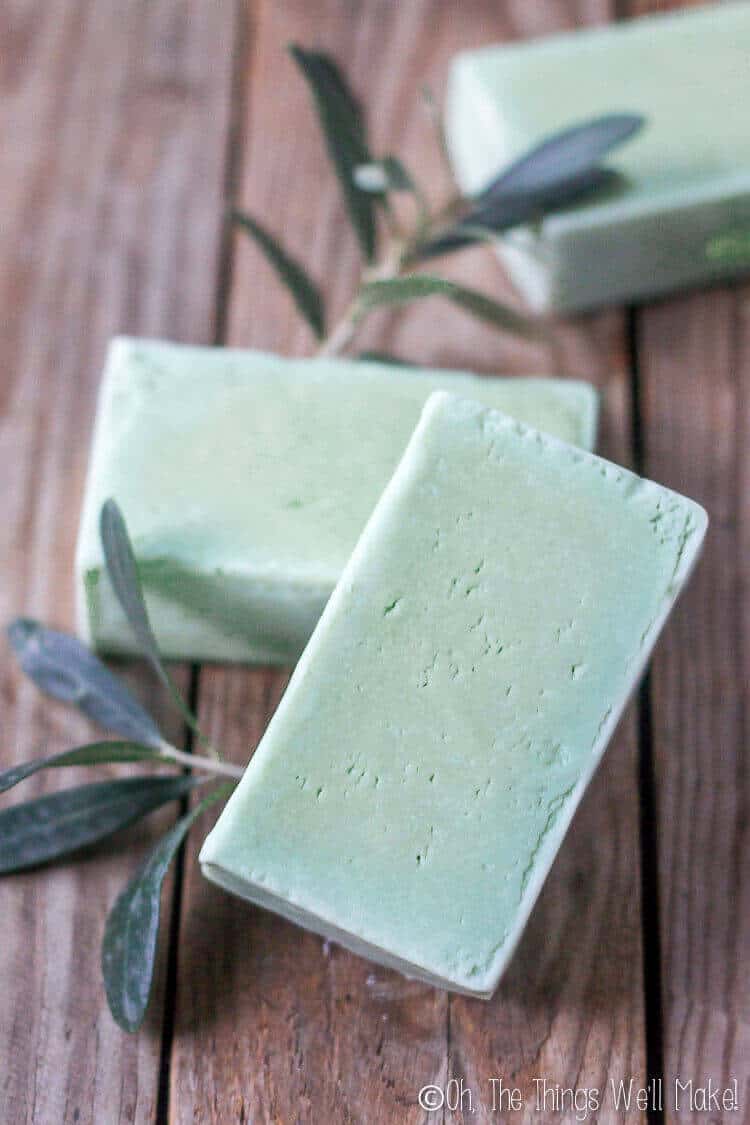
(246, 479)
(682, 215)
(416, 781)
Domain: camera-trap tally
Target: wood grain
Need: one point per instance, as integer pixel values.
(114, 123)
(272, 1024)
(694, 366)
(695, 369)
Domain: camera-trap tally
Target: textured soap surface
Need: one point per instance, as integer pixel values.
(682, 215)
(415, 782)
(246, 479)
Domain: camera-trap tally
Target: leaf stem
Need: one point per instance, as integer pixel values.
(391, 265)
(449, 210)
(197, 762)
(339, 339)
(429, 103)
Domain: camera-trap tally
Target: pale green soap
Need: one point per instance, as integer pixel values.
(682, 216)
(246, 479)
(415, 783)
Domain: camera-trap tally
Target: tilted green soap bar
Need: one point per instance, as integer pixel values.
(682, 214)
(246, 479)
(417, 779)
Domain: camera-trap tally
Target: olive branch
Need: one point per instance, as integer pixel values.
(561, 171)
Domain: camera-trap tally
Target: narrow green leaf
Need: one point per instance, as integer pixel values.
(412, 287)
(93, 754)
(563, 156)
(455, 238)
(385, 357)
(343, 127)
(559, 171)
(487, 220)
(130, 936)
(64, 668)
(429, 101)
(123, 573)
(305, 293)
(399, 176)
(54, 826)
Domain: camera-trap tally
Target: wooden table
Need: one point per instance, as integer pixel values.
(125, 129)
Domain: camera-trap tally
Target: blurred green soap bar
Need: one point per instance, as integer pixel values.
(415, 783)
(246, 479)
(682, 214)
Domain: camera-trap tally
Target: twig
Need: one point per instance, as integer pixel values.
(197, 762)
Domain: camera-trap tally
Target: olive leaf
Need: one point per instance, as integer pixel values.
(53, 826)
(402, 290)
(344, 130)
(486, 221)
(564, 156)
(123, 573)
(305, 293)
(384, 357)
(92, 754)
(557, 172)
(64, 668)
(130, 936)
(430, 105)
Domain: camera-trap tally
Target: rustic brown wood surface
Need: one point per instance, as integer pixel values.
(128, 128)
(693, 362)
(114, 125)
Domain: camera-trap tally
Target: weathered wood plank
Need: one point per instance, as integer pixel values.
(114, 122)
(271, 1024)
(695, 370)
(694, 364)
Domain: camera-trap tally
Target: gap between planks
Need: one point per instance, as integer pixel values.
(650, 918)
(232, 168)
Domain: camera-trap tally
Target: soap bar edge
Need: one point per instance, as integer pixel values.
(579, 404)
(487, 982)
